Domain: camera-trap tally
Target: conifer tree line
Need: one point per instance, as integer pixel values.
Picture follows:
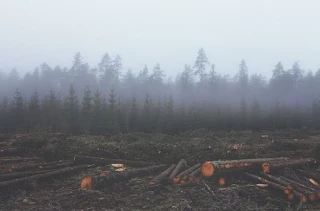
(107, 99)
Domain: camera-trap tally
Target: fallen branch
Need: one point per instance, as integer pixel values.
(161, 177)
(209, 189)
(99, 182)
(297, 194)
(211, 168)
(104, 161)
(44, 165)
(185, 173)
(180, 166)
(19, 181)
(273, 165)
(16, 160)
(16, 175)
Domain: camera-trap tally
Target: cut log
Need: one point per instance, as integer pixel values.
(104, 161)
(185, 173)
(194, 175)
(10, 183)
(100, 182)
(16, 175)
(222, 181)
(273, 165)
(8, 151)
(211, 168)
(180, 166)
(311, 195)
(300, 196)
(161, 177)
(294, 183)
(16, 160)
(279, 181)
(44, 165)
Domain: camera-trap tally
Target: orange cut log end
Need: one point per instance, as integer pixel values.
(312, 197)
(152, 183)
(303, 199)
(207, 169)
(290, 196)
(176, 180)
(266, 167)
(86, 183)
(287, 192)
(182, 181)
(222, 181)
(290, 187)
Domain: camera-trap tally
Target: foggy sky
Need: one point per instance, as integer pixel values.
(168, 31)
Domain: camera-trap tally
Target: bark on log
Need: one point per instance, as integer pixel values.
(211, 168)
(16, 175)
(300, 196)
(161, 177)
(270, 166)
(185, 173)
(309, 174)
(279, 181)
(99, 182)
(297, 184)
(19, 181)
(192, 176)
(180, 166)
(104, 161)
(43, 165)
(8, 151)
(16, 160)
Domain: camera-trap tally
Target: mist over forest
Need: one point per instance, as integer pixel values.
(105, 98)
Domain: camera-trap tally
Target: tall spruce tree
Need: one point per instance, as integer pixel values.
(86, 111)
(72, 111)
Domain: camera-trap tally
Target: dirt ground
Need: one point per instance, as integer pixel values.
(64, 193)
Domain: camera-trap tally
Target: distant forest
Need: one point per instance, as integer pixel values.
(107, 99)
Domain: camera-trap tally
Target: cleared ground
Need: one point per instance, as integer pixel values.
(64, 193)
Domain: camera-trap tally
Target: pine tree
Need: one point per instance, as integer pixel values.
(157, 75)
(18, 113)
(86, 111)
(147, 114)
(169, 123)
(112, 115)
(243, 113)
(34, 112)
(243, 76)
(72, 111)
(201, 64)
(133, 117)
(255, 115)
(51, 112)
(4, 116)
(186, 80)
(97, 113)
